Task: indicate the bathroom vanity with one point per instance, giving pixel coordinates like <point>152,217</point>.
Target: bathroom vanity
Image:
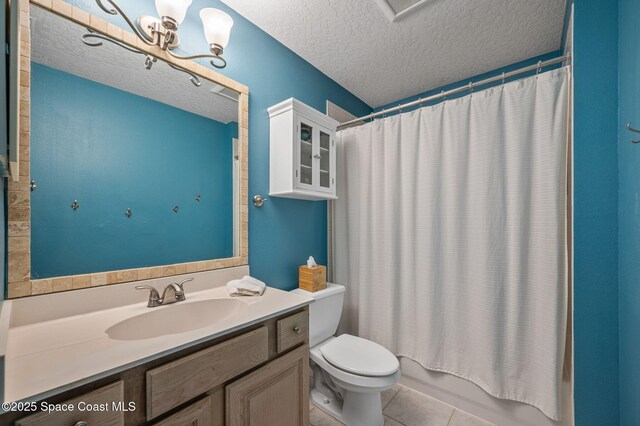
<point>248,365</point>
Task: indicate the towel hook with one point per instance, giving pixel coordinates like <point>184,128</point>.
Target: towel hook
<point>259,200</point>
<point>631,129</point>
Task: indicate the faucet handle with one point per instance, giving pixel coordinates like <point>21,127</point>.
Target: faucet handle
<point>154,296</point>
<point>180,294</point>
<point>181,283</point>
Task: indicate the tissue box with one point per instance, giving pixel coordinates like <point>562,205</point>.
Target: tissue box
<point>312,279</point>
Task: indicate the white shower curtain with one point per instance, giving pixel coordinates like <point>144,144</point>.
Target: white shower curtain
<point>450,236</point>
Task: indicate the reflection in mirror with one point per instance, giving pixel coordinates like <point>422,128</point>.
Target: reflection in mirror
<point>146,152</point>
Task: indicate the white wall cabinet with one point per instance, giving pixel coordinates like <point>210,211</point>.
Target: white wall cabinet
<point>302,152</point>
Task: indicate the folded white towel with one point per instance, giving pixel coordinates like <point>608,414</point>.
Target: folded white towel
<point>247,286</point>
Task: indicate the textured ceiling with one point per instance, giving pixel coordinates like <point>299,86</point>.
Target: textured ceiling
<point>400,5</point>
<point>442,42</point>
<point>57,43</point>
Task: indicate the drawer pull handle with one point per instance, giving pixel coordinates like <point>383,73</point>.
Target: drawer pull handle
<point>81,423</point>
<point>296,329</point>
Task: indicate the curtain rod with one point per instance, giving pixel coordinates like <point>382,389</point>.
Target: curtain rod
<point>503,76</point>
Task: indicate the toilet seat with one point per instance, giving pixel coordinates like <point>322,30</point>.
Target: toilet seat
<point>359,356</point>
<point>354,382</point>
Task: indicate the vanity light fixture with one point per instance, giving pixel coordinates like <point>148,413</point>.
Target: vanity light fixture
<point>163,31</point>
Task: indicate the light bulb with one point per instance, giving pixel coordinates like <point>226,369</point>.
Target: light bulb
<point>174,9</point>
<point>217,26</point>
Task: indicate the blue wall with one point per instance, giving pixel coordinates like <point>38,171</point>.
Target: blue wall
<point>284,232</point>
<point>629,212</point>
<point>596,212</point>
<point>112,150</point>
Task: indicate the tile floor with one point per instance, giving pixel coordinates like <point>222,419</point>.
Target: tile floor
<point>403,406</point>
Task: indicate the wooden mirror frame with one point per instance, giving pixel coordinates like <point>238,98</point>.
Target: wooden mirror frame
<point>19,279</point>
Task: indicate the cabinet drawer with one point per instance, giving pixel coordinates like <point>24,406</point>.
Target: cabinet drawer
<point>184,379</point>
<point>104,396</point>
<point>197,414</point>
<point>293,330</point>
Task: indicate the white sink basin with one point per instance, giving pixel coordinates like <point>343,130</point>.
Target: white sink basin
<point>176,318</point>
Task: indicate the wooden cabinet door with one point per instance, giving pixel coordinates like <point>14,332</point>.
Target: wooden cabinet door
<point>276,394</point>
<point>196,414</point>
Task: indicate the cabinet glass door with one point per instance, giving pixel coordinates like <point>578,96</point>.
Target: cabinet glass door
<point>325,160</point>
<point>305,141</point>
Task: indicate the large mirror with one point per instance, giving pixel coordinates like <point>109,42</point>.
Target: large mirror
<point>134,162</point>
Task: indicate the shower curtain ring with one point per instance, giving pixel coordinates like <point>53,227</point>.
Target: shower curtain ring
<point>503,74</point>
<point>539,68</point>
<point>470,87</point>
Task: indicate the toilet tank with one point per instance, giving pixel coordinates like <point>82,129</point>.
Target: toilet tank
<point>324,312</point>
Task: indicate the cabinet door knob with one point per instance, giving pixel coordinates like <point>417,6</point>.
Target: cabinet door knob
<point>81,423</point>
<point>296,329</point>
<point>317,156</point>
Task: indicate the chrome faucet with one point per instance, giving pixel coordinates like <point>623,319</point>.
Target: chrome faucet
<point>172,293</point>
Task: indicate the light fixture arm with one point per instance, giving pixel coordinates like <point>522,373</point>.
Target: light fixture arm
<point>192,77</point>
<point>213,56</point>
<point>87,39</point>
<point>150,60</point>
<point>117,11</point>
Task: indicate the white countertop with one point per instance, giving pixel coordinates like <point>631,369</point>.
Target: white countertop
<point>46,357</point>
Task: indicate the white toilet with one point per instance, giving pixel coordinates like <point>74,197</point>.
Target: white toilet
<point>348,372</point>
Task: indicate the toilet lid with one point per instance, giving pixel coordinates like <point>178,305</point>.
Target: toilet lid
<point>360,356</point>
